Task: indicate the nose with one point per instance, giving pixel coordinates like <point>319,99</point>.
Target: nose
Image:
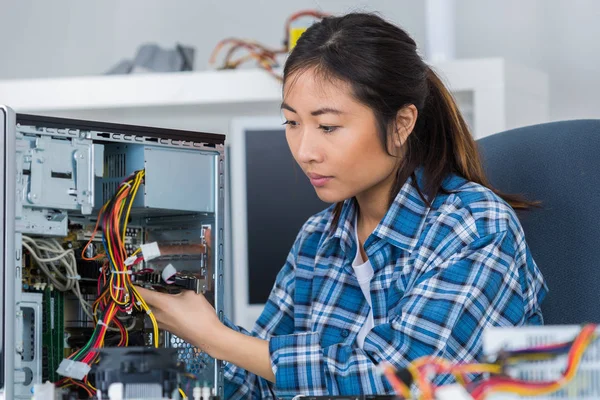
<point>309,148</point>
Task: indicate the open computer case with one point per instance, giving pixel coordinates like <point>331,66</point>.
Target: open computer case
<point>58,175</point>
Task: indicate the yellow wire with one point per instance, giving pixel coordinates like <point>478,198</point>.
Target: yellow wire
<point>530,391</point>
<point>182,393</point>
<point>116,281</point>
<point>136,186</point>
<point>480,368</point>
<point>120,280</point>
<point>150,314</point>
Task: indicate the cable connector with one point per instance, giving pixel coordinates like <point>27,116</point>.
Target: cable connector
<point>130,260</point>
<point>73,369</point>
<point>150,251</point>
<point>168,272</point>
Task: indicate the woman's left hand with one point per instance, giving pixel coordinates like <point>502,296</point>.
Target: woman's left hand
<point>187,315</point>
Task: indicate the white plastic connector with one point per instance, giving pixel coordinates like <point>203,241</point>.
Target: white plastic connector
<point>205,393</point>
<point>116,391</point>
<point>73,369</point>
<point>452,392</point>
<point>44,391</point>
<point>168,272</point>
<point>130,260</point>
<point>197,393</point>
<point>150,251</point>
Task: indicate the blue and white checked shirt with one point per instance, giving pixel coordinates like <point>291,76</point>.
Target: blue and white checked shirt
<point>441,275</point>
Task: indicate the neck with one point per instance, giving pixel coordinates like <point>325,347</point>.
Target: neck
<point>373,205</point>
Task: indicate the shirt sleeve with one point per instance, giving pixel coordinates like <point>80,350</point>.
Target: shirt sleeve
<point>277,318</point>
<point>443,313</point>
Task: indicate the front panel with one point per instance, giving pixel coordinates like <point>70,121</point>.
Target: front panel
<point>7,250</point>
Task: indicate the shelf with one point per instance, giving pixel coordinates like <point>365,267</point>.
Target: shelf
<point>140,90</point>
<point>499,95</point>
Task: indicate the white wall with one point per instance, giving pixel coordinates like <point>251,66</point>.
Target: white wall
<point>74,37</point>
<point>560,37</point>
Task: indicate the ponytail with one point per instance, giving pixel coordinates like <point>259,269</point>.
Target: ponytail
<point>455,149</point>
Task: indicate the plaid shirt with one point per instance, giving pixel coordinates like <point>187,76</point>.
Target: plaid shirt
<point>442,274</point>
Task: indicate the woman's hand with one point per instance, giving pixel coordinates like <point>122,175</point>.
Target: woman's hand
<point>191,317</point>
<point>187,315</point>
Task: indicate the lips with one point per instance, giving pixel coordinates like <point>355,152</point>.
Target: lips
<point>316,176</point>
<point>318,180</point>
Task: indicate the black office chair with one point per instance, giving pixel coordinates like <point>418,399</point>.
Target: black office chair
<point>559,164</point>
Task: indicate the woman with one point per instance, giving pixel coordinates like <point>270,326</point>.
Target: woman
<point>416,256</point>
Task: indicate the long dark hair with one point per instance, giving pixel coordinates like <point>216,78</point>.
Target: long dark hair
<point>381,63</point>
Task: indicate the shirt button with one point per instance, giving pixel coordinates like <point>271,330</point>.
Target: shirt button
<point>345,333</point>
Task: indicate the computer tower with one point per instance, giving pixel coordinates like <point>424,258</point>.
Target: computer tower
<point>57,175</point>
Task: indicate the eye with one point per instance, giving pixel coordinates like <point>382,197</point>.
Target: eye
<point>328,128</point>
<point>292,124</point>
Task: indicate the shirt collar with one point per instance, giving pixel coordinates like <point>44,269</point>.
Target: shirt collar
<point>402,224</point>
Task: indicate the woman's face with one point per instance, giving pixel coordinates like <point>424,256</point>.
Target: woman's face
<point>334,138</point>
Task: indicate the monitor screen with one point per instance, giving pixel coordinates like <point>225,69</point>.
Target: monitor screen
<point>271,198</point>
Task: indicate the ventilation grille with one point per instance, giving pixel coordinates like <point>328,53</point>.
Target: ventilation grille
<point>115,165</point>
<point>143,391</point>
<point>195,360</point>
<point>108,190</point>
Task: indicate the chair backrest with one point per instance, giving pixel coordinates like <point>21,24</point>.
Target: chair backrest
<point>558,164</point>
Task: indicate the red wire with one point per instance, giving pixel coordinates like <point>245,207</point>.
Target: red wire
<point>480,391</point>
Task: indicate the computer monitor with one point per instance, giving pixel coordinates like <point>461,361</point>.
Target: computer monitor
<point>270,198</point>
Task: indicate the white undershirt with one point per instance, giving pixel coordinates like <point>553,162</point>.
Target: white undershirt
<point>364,273</point>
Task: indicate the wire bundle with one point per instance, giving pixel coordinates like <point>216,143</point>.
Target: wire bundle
<point>421,370</point>
<point>117,296</point>
<point>575,350</point>
<point>50,256</point>
<point>265,57</point>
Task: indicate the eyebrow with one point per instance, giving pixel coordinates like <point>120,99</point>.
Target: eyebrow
<point>320,111</point>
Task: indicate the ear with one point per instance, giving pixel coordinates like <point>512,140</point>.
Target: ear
<point>405,123</point>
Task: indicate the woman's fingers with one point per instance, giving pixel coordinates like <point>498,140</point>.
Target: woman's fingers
<point>152,297</point>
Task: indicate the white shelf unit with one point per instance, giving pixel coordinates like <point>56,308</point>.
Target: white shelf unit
<point>494,95</point>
